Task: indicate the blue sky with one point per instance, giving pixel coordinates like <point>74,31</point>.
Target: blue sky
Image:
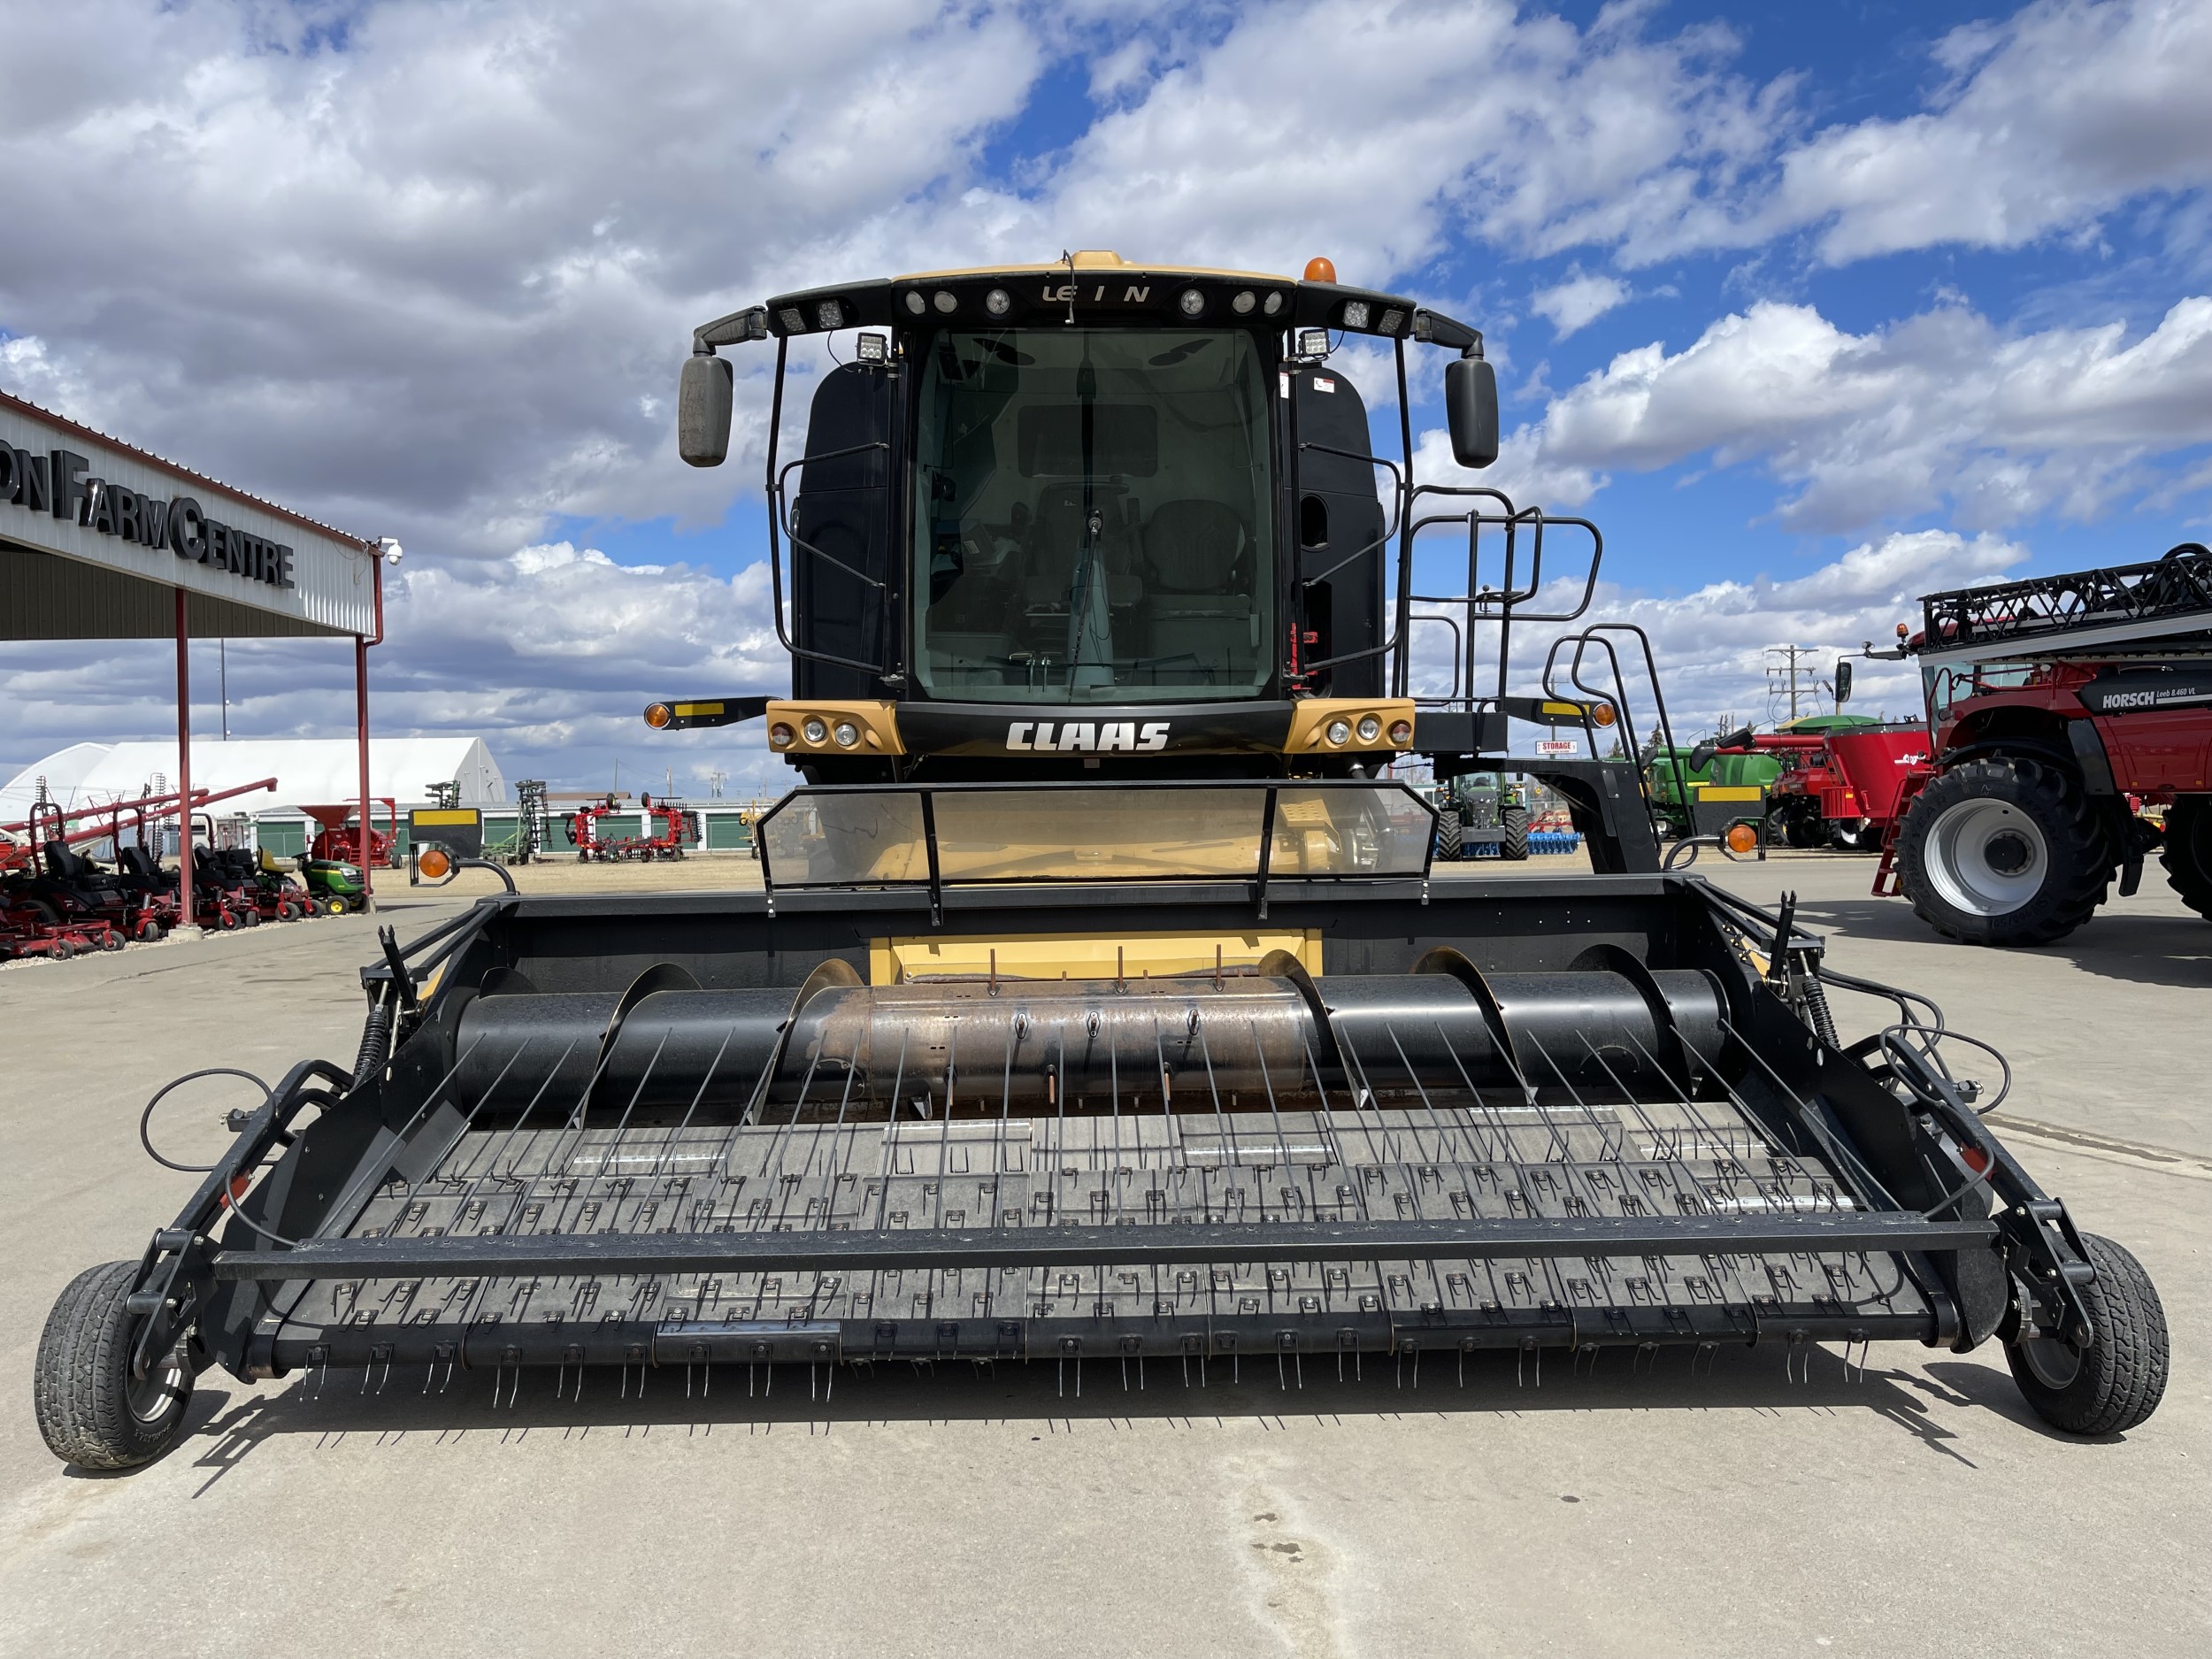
<point>1811,307</point>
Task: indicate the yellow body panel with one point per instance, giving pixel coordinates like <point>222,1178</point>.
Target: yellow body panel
<point>1086,955</point>
<point>1728,792</point>
<point>1310,719</point>
<point>444,815</point>
<point>878,724</point>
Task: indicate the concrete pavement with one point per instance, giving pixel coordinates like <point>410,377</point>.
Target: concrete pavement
<point>1917,1508</point>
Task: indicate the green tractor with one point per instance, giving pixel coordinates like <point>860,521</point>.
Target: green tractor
<point>1670,780</point>
<point>1481,809</point>
<point>334,885</point>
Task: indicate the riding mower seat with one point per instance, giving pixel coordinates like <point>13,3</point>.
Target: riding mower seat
<point>137,872</point>
<point>69,868</point>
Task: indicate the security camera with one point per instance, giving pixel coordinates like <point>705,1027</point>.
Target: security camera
<point>389,548</point>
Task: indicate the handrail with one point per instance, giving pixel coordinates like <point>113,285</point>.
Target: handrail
<point>777,486</point>
<point>1521,578</point>
<point>1394,522</point>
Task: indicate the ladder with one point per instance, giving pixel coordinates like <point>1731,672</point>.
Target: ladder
<point>1886,883</point>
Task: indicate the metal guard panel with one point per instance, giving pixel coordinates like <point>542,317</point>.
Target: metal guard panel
<point>501,1255</point>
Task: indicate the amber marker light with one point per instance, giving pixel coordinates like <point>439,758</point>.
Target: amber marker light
<point>658,715</point>
<point>1743,838</point>
<point>435,863</point>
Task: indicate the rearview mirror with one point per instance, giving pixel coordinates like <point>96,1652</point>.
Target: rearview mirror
<point>1843,681</point>
<point>1470,400</point>
<point>702,411</point>
<point>1701,757</point>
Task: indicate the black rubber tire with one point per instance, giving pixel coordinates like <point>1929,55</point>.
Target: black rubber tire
<point>251,916</point>
<point>333,907</point>
<point>63,950</point>
<point>2119,1382</point>
<point>225,921</point>
<point>1449,848</point>
<point>83,1389</point>
<point>2078,856</point>
<point>1514,821</point>
<point>2188,855</point>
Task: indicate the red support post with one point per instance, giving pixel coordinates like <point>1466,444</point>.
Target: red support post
<point>361,705</point>
<point>361,711</point>
<point>184,767</point>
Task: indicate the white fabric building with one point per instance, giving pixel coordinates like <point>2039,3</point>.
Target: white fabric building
<point>309,771</point>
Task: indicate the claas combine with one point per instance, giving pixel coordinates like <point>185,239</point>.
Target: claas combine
<point>1096,1009</point>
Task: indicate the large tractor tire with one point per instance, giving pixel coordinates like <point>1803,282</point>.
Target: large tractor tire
<point>1448,847</point>
<point>2004,851</point>
<point>2118,1381</point>
<point>1514,821</point>
<point>2188,856</point>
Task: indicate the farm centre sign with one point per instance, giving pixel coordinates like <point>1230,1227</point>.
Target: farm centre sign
<point>59,483</point>
<point>97,538</point>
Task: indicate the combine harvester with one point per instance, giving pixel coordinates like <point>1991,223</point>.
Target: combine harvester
<point>1099,1010</point>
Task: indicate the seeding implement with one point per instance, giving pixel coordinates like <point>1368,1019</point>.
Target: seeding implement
<point>1196,1074</point>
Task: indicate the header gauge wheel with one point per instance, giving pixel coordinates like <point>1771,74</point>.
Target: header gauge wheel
<point>2118,1381</point>
<point>2003,851</point>
<point>92,1411</point>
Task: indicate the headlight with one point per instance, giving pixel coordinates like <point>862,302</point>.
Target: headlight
<point>1402,732</point>
<point>998,301</point>
<point>1339,732</point>
<point>847,734</point>
<point>1192,302</point>
<point>780,735</point>
<point>1370,728</point>
<point>814,730</point>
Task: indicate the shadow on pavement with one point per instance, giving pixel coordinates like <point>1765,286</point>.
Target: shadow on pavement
<point>2174,950</point>
<point>347,1408</point>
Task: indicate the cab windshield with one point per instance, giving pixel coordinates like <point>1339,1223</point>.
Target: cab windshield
<point>1093,518</point>
<point>1948,687</point>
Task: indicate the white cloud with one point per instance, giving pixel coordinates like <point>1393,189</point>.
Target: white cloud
<point>550,656</point>
<point>437,284</point>
<point>1580,300</point>
<point>1939,411</point>
<point>2052,119</point>
<point>1428,120</point>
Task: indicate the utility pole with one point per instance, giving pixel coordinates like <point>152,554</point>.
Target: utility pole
<point>1788,668</point>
